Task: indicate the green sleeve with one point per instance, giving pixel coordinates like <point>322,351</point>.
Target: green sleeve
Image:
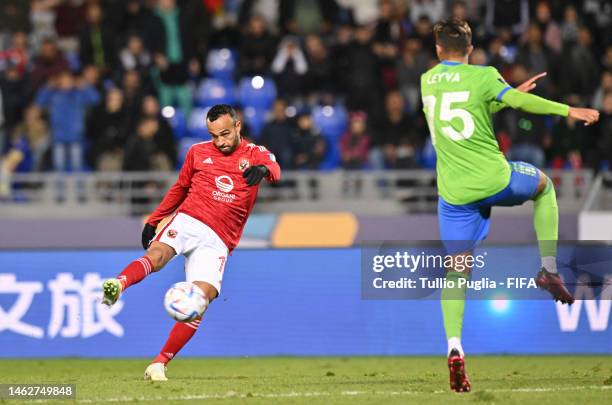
<point>492,84</point>
<point>497,106</point>
<point>533,104</point>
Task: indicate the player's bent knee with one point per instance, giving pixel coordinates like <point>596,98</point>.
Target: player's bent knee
<point>160,254</point>
<point>542,183</point>
<point>208,289</point>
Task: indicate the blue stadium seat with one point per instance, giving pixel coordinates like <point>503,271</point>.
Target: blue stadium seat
<point>256,119</point>
<point>74,62</point>
<point>330,120</point>
<point>183,147</point>
<point>215,91</point>
<point>428,155</point>
<point>221,63</point>
<point>332,156</point>
<point>177,120</point>
<point>257,92</point>
<point>196,125</point>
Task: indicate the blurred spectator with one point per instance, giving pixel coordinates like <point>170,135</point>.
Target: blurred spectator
<point>69,22</point>
<point>607,59</point>
<point>67,99</point>
<point>147,150</point>
<point>17,53</point>
<point>135,57</point>
<point>320,75</point>
<point>49,62</point>
<point>133,93</point>
<point>423,30</point>
<point>164,137</point>
<point>13,90</point>
<point>289,67</point>
<point>14,17</point>
<point>363,74</point>
<point>267,10</point>
<point>34,131</point>
<point>277,134</point>
<point>387,133</point>
<point>527,132</point>
<point>570,137</point>
<point>308,145</point>
<point>355,143</point>
<point>138,20</point>
<point>580,65</point>
<point>414,61</point>
<point>96,41</point>
<point>173,55</point>
<point>432,9</point>
<point>27,150</point>
<point>341,60</point>
<point>509,14</point>
<point>536,58</point>
<point>303,16</point>
<point>107,129</point>
<point>550,29</point>
<point>42,20</point>
<point>478,57</point>
<point>605,132</point>
<point>604,88</point>
<point>257,48</point>
<point>358,12</point>
<point>386,37</point>
<point>570,26</point>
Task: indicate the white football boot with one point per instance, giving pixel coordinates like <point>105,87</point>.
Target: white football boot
<point>156,372</point>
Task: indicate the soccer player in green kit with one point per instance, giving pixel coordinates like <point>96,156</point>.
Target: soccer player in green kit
<point>473,175</point>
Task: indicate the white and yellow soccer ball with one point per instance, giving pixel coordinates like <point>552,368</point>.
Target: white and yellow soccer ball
<point>185,301</point>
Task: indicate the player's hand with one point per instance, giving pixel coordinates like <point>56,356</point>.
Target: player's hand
<point>255,174</point>
<point>148,233</point>
<point>530,84</point>
<point>588,115</point>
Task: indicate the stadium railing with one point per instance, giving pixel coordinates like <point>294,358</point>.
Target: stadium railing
<point>116,194</point>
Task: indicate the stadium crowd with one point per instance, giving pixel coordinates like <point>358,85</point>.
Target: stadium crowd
<point>110,85</point>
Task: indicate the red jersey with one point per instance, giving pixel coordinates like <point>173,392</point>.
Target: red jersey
<point>210,188</point>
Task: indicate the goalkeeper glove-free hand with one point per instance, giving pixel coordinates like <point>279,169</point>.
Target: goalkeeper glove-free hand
<point>255,174</point>
<point>148,233</point>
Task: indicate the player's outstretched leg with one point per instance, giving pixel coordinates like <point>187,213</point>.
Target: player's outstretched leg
<point>156,258</point>
<point>546,224</point>
<point>180,334</point>
<point>453,306</point>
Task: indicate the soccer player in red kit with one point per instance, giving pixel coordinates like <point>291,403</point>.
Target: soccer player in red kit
<point>204,214</point>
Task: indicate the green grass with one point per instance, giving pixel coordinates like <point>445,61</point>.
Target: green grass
<point>355,380</point>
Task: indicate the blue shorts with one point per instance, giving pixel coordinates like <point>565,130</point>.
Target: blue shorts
<point>468,224</point>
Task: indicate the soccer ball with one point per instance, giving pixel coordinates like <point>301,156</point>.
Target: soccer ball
<point>185,301</point>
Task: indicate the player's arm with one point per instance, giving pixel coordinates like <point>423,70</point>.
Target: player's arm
<point>525,87</point>
<point>499,91</point>
<point>171,201</point>
<point>265,167</point>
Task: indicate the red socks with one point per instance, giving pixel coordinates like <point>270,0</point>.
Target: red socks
<point>179,336</point>
<point>135,272</point>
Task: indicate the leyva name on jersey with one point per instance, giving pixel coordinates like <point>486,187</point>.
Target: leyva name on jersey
<point>212,189</point>
<point>450,77</point>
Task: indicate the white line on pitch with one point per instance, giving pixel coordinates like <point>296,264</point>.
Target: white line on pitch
<point>232,394</point>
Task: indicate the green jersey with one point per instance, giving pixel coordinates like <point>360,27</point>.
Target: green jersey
<point>458,101</point>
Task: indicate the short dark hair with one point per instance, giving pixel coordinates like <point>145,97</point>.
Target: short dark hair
<point>221,109</point>
<point>453,35</point>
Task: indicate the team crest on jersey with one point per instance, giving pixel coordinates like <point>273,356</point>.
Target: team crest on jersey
<point>243,163</point>
<point>172,233</point>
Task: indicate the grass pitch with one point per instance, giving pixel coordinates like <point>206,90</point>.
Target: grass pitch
<point>355,380</point>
